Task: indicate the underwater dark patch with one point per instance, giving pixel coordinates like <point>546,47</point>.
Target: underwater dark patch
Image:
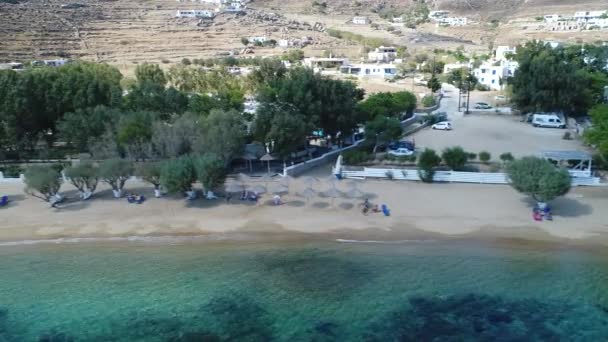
<point>314,272</point>
<point>474,317</point>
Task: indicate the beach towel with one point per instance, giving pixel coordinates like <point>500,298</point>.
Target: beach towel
<point>3,201</point>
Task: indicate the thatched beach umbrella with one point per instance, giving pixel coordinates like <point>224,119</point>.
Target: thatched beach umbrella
<point>267,158</point>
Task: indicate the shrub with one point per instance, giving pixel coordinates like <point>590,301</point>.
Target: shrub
<point>84,176</point>
<point>454,157</point>
<point>485,156</point>
<point>186,61</point>
<point>115,172</point>
<point>11,171</point>
<point>177,175</point>
<point>150,173</point>
<point>427,161</point>
<point>482,87</point>
<point>471,156</point>
<point>506,157</point>
<point>355,157</point>
<point>210,171</point>
<point>165,61</point>
<point>429,101</point>
<point>567,136</point>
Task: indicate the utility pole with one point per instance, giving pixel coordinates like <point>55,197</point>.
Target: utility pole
<point>468,88</point>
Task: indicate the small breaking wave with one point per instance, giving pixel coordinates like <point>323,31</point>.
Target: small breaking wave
<point>166,240</point>
<point>385,241</point>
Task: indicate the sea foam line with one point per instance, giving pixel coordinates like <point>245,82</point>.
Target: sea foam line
<point>153,239</point>
<point>384,242</point>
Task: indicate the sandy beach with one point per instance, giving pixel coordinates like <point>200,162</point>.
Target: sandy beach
<point>417,210</point>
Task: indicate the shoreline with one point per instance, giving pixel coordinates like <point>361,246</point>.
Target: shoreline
<point>418,211</point>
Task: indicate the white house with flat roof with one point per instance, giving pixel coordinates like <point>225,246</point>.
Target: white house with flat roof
<point>370,70</point>
<point>194,14</point>
<point>493,74</point>
<point>585,16</point>
<point>447,68</point>
<point>383,54</point>
<point>360,21</point>
<point>452,21</point>
<point>436,15</point>
<point>551,18</point>
<point>313,62</point>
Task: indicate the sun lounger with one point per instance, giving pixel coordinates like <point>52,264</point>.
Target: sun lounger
<point>3,201</point>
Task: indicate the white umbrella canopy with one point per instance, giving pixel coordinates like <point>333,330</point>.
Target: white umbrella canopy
<point>308,193</point>
<point>234,187</point>
<point>279,188</point>
<point>258,189</point>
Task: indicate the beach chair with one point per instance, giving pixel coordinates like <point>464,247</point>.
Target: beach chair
<point>141,199</point>
<point>3,201</point>
<point>385,210</point>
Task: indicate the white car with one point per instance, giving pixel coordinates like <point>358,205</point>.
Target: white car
<point>401,152</point>
<point>444,125</point>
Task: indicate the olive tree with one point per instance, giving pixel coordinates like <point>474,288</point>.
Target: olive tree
<point>538,178</point>
<point>427,161</point>
<point>43,182</point>
<point>115,172</point>
<point>84,176</point>
<point>210,171</point>
<point>178,175</point>
<point>150,172</point>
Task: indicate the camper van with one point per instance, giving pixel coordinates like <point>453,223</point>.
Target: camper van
<point>547,120</point>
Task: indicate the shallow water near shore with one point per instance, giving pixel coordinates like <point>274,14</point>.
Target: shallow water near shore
<point>302,291</point>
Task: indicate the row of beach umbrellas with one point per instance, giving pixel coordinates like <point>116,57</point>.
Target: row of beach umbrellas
<point>267,184</point>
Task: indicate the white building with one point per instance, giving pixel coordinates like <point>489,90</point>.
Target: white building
<point>370,70</point>
<point>452,21</point>
<point>552,18</point>
<point>55,62</point>
<point>447,68</point>
<point>194,14</point>
<point>383,54</point>
<point>503,51</point>
<point>493,74</point>
<point>313,62</point>
<point>232,7</point>
<point>360,21</point>
<point>585,16</point>
<point>260,39</point>
<point>12,66</point>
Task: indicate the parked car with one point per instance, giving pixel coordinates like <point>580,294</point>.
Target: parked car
<point>482,105</point>
<point>402,144</point>
<point>547,120</point>
<point>401,152</point>
<point>500,98</point>
<point>444,125</point>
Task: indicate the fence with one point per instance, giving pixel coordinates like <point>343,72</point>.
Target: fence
<point>10,179</point>
<point>300,168</point>
<point>445,176</point>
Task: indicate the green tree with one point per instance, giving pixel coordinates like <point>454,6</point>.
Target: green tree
<point>134,133</point>
<point>427,162</point>
<point>210,171</point>
<point>244,41</point>
<point>434,84</point>
<point>223,135</point>
<point>83,125</point>
<point>176,138</point>
<point>597,135</point>
<point>462,79</point>
<point>398,105</point>
<point>550,80</point>
<point>84,176</point>
<point>150,73</point>
<point>288,133</point>
<point>538,178</point>
<point>116,172</point>
<point>42,182</point>
<point>269,73</point>
<point>178,175</point>
<point>455,157</point>
<point>382,130</point>
<point>150,172</point>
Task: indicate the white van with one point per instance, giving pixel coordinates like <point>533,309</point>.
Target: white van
<point>547,120</point>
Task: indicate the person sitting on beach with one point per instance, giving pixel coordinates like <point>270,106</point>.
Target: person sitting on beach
<point>366,203</point>
<point>277,200</point>
<point>375,208</point>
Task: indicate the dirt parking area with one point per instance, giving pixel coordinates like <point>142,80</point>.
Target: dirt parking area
<point>496,134</point>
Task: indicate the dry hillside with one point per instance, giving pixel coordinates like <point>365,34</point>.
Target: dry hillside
<point>125,32</point>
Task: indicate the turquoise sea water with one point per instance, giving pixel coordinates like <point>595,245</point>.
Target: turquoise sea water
<point>304,291</point>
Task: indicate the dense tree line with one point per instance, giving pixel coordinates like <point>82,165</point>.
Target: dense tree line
<point>567,79</point>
